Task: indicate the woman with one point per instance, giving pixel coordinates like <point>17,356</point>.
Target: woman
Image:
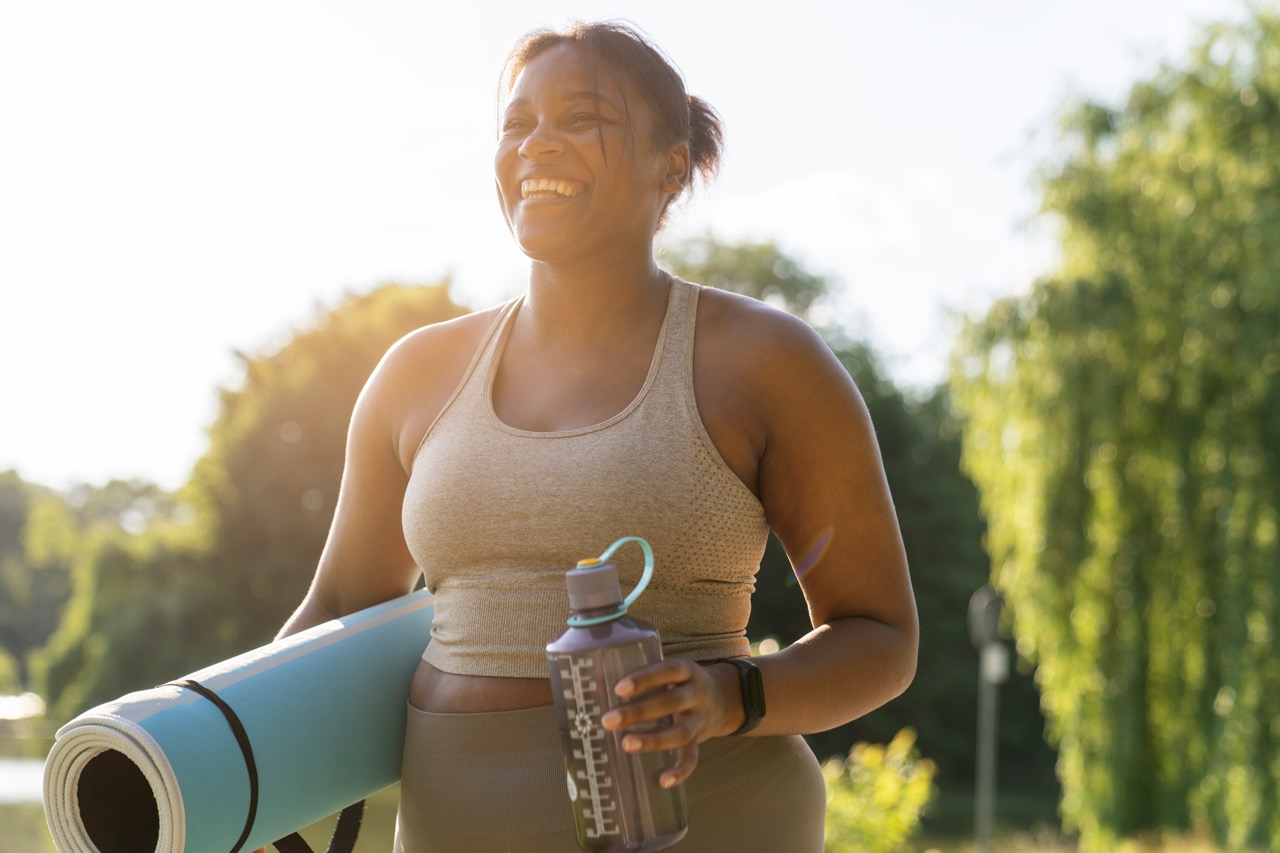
<point>493,451</point>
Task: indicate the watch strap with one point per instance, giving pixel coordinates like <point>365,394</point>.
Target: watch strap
<point>752,694</point>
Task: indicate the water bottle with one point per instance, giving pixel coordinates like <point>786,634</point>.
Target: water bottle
<point>618,803</point>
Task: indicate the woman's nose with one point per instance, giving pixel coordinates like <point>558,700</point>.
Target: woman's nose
<point>541,140</point>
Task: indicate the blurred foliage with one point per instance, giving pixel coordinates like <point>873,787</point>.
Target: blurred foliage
<point>41,533</point>
<point>760,270</point>
<point>876,797</point>
<point>131,601</point>
<point>1121,422</point>
<point>135,617</point>
<point>35,574</point>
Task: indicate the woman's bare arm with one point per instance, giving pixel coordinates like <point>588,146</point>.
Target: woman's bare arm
<point>365,559</point>
<point>790,422</point>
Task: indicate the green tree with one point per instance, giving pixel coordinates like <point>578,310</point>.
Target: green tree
<point>133,620</point>
<point>16,496</point>
<point>759,270</point>
<point>101,562</point>
<point>1121,424</point>
<point>128,504</point>
<point>35,574</point>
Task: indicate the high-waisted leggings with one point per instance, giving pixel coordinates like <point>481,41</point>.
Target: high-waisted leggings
<point>495,783</point>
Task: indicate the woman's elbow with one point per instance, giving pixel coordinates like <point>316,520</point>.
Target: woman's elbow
<point>907,658</point>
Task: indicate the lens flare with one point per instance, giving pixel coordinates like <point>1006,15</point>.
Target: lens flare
<point>812,556</point>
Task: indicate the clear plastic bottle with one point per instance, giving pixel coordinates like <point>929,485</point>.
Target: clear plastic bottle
<point>618,803</point>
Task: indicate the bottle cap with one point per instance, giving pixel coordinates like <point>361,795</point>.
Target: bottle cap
<point>593,585</point>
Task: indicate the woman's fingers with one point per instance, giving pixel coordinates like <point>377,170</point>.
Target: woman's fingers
<point>656,675</point>
<point>686,760</point>
<point>651,706</point>
<point>679,691</point>
<point>683,730</point>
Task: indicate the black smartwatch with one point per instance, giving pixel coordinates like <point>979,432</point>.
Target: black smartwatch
<point>752,692</point>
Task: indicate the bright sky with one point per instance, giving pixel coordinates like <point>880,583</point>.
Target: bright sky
<point>181,180</point>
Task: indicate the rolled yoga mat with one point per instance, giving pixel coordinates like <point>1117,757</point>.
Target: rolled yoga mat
<point>162,770</point>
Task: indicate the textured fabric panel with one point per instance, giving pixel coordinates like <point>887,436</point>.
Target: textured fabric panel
<point>495,515</point>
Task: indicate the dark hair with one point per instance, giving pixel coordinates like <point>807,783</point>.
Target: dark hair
<point>637,64</point>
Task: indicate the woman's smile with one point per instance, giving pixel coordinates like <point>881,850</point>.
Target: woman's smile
<point>549,188</point>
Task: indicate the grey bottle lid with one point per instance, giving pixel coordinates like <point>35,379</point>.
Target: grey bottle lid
<point>593,585</point>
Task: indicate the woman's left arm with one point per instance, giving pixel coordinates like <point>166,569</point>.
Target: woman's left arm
<point>802,434</point>
<point>823,487</point>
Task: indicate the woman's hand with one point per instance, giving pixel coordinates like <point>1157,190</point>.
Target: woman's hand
<point>701,702</point>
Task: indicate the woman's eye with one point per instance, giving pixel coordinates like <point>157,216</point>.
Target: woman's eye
<point>514,125</point>
<point>584,119</point>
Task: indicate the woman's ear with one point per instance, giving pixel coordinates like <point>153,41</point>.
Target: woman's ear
<point>677,177</point>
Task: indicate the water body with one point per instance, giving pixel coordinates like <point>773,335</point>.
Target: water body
<point>21,780</point>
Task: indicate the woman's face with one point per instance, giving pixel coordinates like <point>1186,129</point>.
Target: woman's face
<point>576,168</point>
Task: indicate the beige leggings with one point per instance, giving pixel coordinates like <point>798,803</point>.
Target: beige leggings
<point>495,783</point>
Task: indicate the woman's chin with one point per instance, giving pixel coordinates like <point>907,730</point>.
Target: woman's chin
<point>548,249</point>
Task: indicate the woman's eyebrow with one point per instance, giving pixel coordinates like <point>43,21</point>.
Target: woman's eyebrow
<point>583,95</point>
<point>588,95</point>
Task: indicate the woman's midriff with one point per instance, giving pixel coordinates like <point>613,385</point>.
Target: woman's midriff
<point>438,692</point>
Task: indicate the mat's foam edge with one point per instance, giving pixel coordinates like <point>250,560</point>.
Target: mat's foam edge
<point>92,735</point>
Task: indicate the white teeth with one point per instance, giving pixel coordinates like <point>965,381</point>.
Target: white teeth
<point>547,188</point>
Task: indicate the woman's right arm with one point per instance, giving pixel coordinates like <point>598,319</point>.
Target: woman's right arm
<point>365,559</point>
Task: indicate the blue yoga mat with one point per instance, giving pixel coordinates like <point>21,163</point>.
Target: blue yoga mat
<point>324,711</point>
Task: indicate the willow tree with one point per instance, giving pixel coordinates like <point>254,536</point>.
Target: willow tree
<point>1123,427</point>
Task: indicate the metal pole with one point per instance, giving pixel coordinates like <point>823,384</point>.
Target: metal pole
<point>993,669</point>
<point>985,799</point>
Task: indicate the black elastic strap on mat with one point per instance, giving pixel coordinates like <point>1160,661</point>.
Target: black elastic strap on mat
<point>242,738</point>
<point>344,834</point>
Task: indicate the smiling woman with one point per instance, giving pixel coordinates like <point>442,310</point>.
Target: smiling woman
<point>489,453</point>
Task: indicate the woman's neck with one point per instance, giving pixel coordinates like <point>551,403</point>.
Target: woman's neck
<point>583,303</point>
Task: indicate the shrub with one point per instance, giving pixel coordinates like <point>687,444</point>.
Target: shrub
<point>876,797</point>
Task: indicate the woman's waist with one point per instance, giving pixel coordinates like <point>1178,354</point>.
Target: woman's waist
<point>436,691</point>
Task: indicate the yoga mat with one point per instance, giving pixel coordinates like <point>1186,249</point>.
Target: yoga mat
<point>161,769</point>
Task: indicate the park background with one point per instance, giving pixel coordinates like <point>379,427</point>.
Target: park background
<point>215,222</point>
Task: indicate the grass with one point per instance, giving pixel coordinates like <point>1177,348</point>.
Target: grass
<point>1026,821</point>
<point>25,831</point>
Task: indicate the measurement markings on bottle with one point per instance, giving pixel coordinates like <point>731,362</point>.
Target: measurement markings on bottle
<point>589,745</point>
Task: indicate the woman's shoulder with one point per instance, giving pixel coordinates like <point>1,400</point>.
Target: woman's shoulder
<point>416,377</point>
<point>443,342</point>
<point>438,351</point>
<point>751,335</point>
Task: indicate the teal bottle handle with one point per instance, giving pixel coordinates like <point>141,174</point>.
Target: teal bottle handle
<point>645,577</point>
